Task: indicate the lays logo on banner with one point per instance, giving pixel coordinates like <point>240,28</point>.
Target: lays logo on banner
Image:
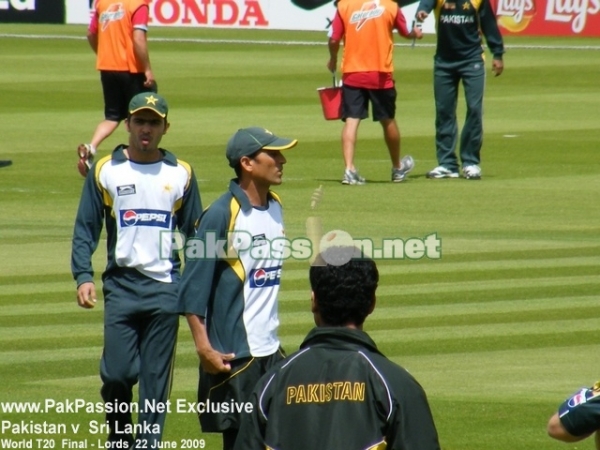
<point>515,15</point>
<point>550,18</point>
<point>574,12</point>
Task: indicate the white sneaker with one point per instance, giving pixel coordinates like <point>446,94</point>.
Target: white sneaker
<point>472,172</point>
<point>406,165</point>
<point>441,172</point>
<point>352,178</point>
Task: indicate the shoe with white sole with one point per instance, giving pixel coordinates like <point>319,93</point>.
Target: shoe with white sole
<point>351,177</point>
<point>472,172</point>
<point>441,172</point>
<point>406,165</point>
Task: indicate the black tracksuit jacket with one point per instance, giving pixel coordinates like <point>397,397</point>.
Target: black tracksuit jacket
<point>338,392</point>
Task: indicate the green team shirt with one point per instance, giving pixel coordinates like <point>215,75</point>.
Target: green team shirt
<point>237,295</point>
<point>459,26</point>
<point>580,413</point>
<point>140,205</point>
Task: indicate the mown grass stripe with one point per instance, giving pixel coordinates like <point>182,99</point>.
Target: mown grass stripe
<point>382,291</point>
<point>466,286</point>
<point>497,330</point>
<point>381,336</point>
<point>74,330</point>
<point>471,371</point>
<point>460,309</point>
<point>479,266</point>
<point>385,268</point>
<point>491,344</point>
<point>93,337</point>
<point>45,283</point>
<point>39,289</point>
<point>42,308</point>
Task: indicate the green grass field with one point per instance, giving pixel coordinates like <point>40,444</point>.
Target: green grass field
<point>498,331</point>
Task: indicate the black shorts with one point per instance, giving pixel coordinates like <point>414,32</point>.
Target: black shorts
<point>355,103</point>
<point>235,386</point>
<point>118,89</point>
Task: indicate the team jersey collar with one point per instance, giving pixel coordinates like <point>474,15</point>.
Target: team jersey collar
<point>339,337</point>
<point>118,155</point>
<point>242,198</point>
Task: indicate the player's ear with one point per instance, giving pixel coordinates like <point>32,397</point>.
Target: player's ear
<point>246,163</point>
<point>314,307</point>
<point>127,124</point>
<point>313,303</point>
<point>167,125</point>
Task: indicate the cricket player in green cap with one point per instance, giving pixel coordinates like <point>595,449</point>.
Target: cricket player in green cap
<point>141,194</point>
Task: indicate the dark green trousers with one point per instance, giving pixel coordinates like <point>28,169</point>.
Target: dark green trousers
<point>140,333</point>
<point>447,76</point>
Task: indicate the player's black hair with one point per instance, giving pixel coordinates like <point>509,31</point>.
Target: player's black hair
<point>344,293</point>
<point>238,170</point>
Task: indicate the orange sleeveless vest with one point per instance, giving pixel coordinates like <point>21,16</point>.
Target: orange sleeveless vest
<point>115,35</point>
<point>368,38</point>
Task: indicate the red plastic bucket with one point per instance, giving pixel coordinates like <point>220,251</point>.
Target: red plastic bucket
<point>331,102</point>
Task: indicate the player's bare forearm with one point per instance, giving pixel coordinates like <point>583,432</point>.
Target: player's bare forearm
<point>556,430</point>
<point>211,360</point>
<point>334,48</point>
<point>140,48</point>
<point>93,41</point>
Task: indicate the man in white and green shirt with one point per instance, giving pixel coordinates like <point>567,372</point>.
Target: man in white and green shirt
<point>140,194</point>
<point>230,301</point>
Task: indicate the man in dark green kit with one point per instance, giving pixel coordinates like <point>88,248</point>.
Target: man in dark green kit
<point>578,417</point>
<point>460,56</point>
<point>141,193</point>
<point>339,392</point>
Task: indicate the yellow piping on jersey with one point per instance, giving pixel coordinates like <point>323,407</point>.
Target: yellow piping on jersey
<point>275,197</point>
<point>188,169</point>
<point>235,263</point>
<point>106,198</point>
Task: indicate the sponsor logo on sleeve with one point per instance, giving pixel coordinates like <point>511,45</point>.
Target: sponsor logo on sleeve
<point>128,189</point>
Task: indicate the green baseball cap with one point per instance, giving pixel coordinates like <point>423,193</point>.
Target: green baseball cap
<point>247,141</point>
<point>151,101</point>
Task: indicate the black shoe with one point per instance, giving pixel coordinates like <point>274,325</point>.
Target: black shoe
<point>5,162</point>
